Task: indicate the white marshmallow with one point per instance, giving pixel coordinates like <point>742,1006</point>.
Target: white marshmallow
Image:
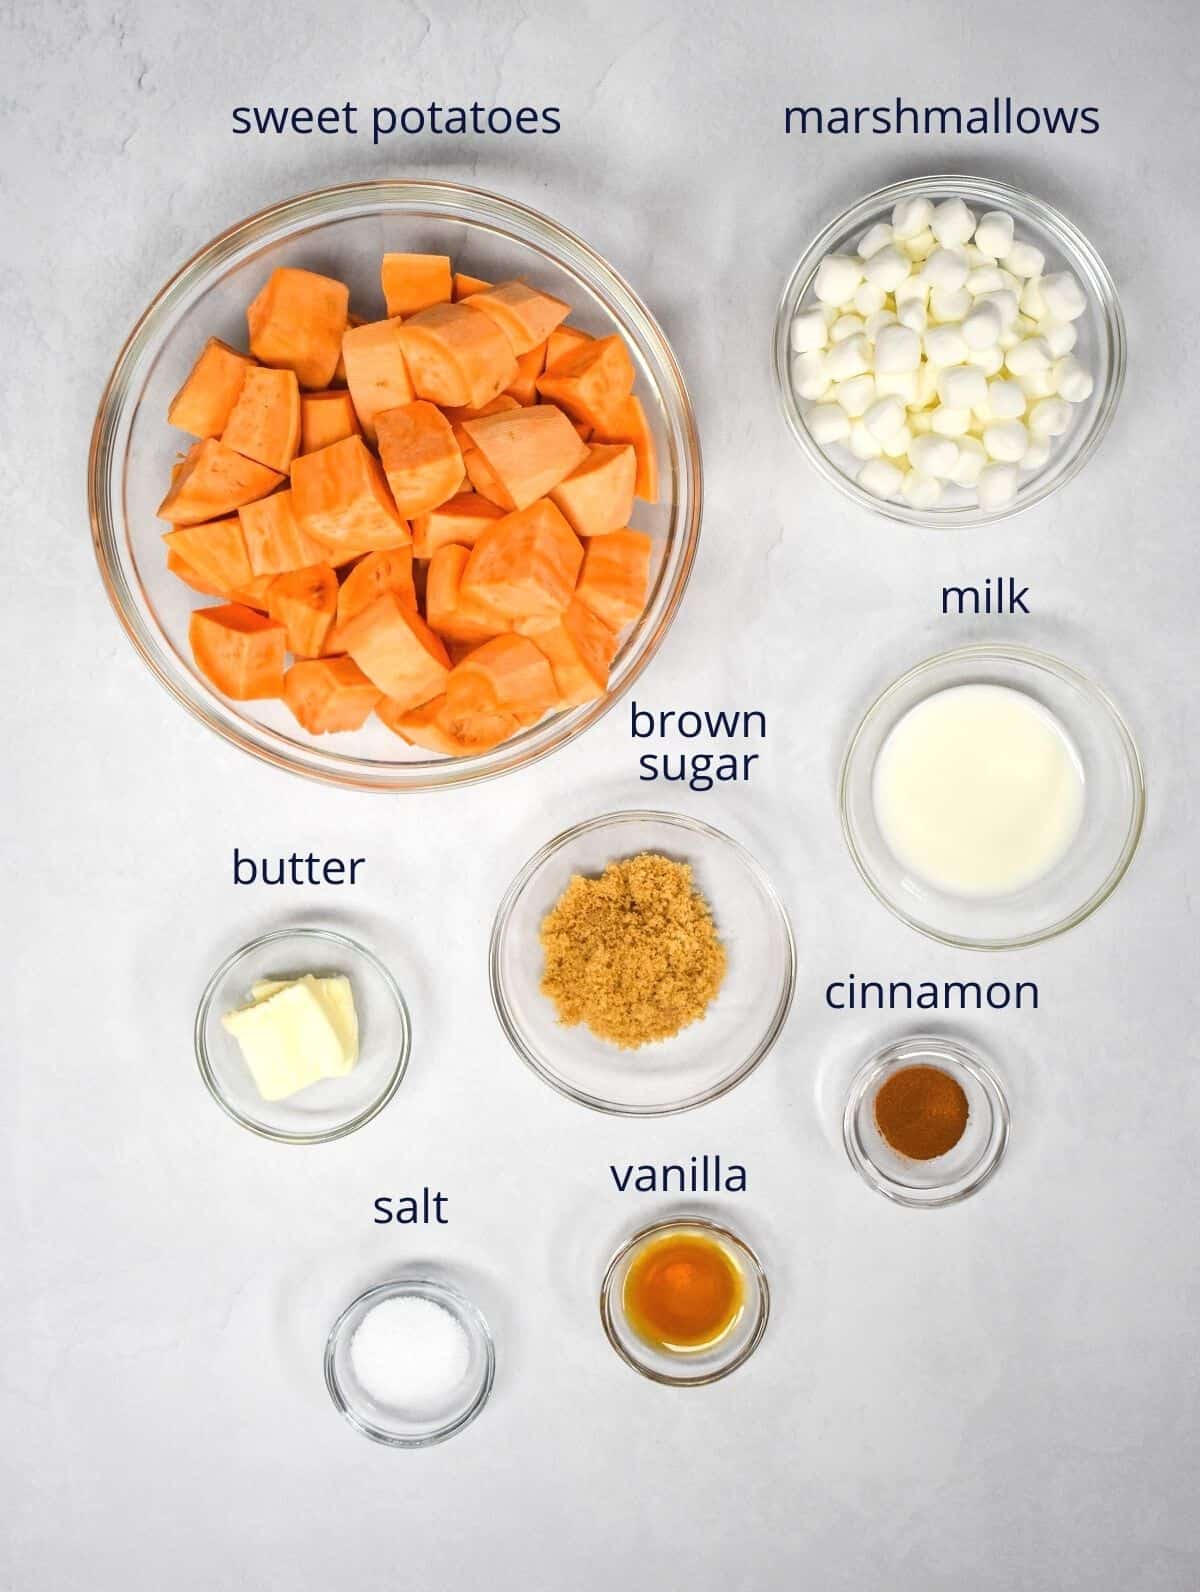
<point>849,358</point>
<point>809,330</point>
<point>1024,327</point>
<point>952,223</point>
<point>900,384</point>
<point>910,216</point>
<point>984,279</point>
<point>989,360</point>
<point>946,268</point>
<point>1050,417</point>
<point>1037,454</point>
<point>1039,383</point>
<point>1023,260</point>
<point>920,247</point>
<point>947,422</point>
<point>1060,336</point>
<point>913,314</point>
<point>880,478</point>
<point>994,234</point>
<point>897,348</point>
<point>921,491</point>
<point>863,444</point>
<point>837,277</point>
<point>868,298</point>
<point>873,239</point>
<point>875,323</point>
<point>945,345</point>
<point>962,386</point>
<point>845,326</point>
<point>1063,297</point>
<point>949,304</point>
<point>1005,400</point>
<point>1075,381</point>
<point>982,326</point>
<point>856,395</point>
<point>933,456</point>
<point>1005,302</point>
<point>1031,301</point>
<point>827,423</point>
<point>885,417</point>
<point>810,374</point>
<point>919,422</point>
<point>976,256</point>
<point>971,459</point>
<point>913,290</point>
<point>888,268</point>
<point>927,391</point>
<point>1006,440</point>
<point>1031,354</point>
<point>896,446</point>
<point>997,486</point>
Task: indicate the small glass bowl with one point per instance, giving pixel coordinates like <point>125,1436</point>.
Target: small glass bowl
<point>945,1179</point>
<point>1114,803</point>
<point>693,1367</point>
<point>704,1060</point>
<point>1101,344</point>
<point>344,231</point>
<point>419,1426</point>
<point>332,1107</point>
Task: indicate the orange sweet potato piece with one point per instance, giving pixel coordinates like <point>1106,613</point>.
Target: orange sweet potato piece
<point>240,651</point>
<point>503,401</point>
<point>453,617</point>
<point>304,602</point>
<point>564,340</point>
<point>212,481</point>
<point>592,382</point>
<point>296,323</point>
<point>579,648</point>
<point>338,379</point>
<point>460,520</point>
<point>525,565</point>
<point>274,541</point>
<point>420,457</point>
<point>414,282</point>
<point>530,450</point>
<point>529,367</point>
<point>508,674</point>
<point>325,418</point>
<point>614,577</point>
<point>434,727</point>
<point>525,316</point>
<point>328,694</point>
<point>205,401</point>
<point>254,595</point>
<point>215,552</point>
<point>372,576</point>
<point>456,356</point>
<point>629,424</point>
<point>484,479</point>
<point>397,650</point>
<point>465,285</point>
<point>342,500</point>
<point>375,371</point>
<point>265,422</point>
<point>598,495</point>
<point>183,571</point>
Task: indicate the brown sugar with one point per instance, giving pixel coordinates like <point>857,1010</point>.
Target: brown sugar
<point>921,1112</point>
<point>633,954</point>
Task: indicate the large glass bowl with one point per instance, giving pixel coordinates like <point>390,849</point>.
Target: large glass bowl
<point>1101,344</point>
<point>344,232</point>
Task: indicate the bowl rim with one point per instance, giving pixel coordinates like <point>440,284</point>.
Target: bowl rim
<point>1081,253</point>
<point>1090,689</point>
<point>208,1074</point>
<point>512,1029</point>
<point>687,1219</point>
<point>409,1286</point>
<point>270,224</point>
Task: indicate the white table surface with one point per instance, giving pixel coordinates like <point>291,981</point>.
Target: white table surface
<point>1001,1395</point>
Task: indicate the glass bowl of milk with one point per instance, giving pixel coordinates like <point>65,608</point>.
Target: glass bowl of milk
<point>992,797</point>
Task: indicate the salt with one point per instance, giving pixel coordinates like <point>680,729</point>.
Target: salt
<point>410,1352</point>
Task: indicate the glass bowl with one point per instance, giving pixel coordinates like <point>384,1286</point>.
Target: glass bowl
<point>345,231</point>
<point>1101,345</point>
<point>944,1179</point>
<point>422,1424</point>
<point>702,1061</point>
<point>1094,863</point>
<point>687,1367</point>
<point>332,1107</point>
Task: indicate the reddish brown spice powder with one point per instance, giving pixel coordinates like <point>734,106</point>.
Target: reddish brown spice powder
<point>921,1112</point>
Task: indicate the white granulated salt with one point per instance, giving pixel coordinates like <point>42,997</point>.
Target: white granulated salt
<point>410,1353</point>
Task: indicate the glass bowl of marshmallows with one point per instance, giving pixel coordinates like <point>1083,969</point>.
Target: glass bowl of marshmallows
<point>949,351</point>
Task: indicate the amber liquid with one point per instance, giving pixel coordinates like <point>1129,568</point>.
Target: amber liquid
<point>683,1291</point>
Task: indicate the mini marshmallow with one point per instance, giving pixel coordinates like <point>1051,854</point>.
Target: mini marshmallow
<point>1031,301</point>
<point>1050,417</point>
<point>876,322</point>
<point>1039,383</point>
<point>952,223</point>
<point>933,456</point>
<point>976,256</point>
<point>900,384</point>
<point>994,234</point>
<point>1075,381</point>
<point>1005,301</point>
<point>972,457</point>
<point>849,358</point>
<point>1060,336</point>
<point>1006,441</point>
<point>920,247</point>
<point>873,239</point>
<point>913,290</point>
<point>1024,260</point>
<point>896,446</point>
<point>1031,354</point>
<point>827,423</point>
<point>913,314</point>
<point>837,277</point>
<point>911,216</point>
<point>984,279</point>
<point>920,491</point>
<point>947,304</point>
<point>864,444</point>
<point>927,388</point>
<point>868,298</point>
<point>885,417</point>
<point>919,422</point>
<point>845,326</point>
<point>1005,400</point>
<point>880,478</point>
<point>945,345</point>
<point>1063,297</point>
<point>946,268</point>
<point>947,422</point>
<point>809,331</point>
<point>997,486</point>
<point>1037,453</point>
<point>989,360</point>
<point>1024,327</point>
<point>962,386</point>
<point>888,268</point>
<point>897,348</point>
<point>981,326</point>
<point>856,395</point>
<point>810,374</point>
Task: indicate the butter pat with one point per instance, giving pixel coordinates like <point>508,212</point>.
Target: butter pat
<point>295,1032</point>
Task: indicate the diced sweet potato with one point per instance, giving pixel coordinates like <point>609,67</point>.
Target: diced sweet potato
<point>329,694</point>
<point>255,594</point>
<point>504,401</point>
<point>397,650</point>
<point>215,552</point>
<point>629,424</point>
<point>338,379</point>
<point>530,450</point>
<point>506,674</point>
<point>598,495</point>
<point>274,541</point>
<point>525,316</point>
<point>454,617</point>
<point>484,479</point>
<point>435,728</point>
<point>614,577</point>
<point>420,457</point>
<point>239,651</point>
<point>529,367</point>
<point>213,481</point>
<point>564,340</point>
<point>304,602</point>
<point>414,282</point>
<point>375,371</point>
<point>465,285</point>
<point>325,418</point>
<point>592,382</point>
<point>205,401</point>
<point>296,323</point>
<point>342,500</point>
<point>265,422</point>
<point>372,576</point>
<point>183,571</point>
<point>525,566</point>
<point>580,649</point>
<point>460,520</point>
<point>456,356</point>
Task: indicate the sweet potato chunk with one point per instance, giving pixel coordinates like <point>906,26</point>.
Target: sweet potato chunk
<point>614,577</point>
<point>414,282</point>
<point>465,285</point>
<point>530,450</point>
<point>326,418</point>
<point>508,674</point>
<point>296,323</point>
<point>274,541</point>
<point>598,495</point>
<point>328,694</point>
<point>502,402</point>
<point>239,651</point>
<point>629,424</point>
<point>484,480</point>
<point>460,520</point>
<point>579,648</point>
<point>212,481</point>
<point>183,571</point>
<point>342,500</point>
<point>396,649</point>
<point>448,612</point>
<point>372,576</point>
<point>205,401</point>
<point>375,371</point>
<point>562,341</point>
<point>456,356</point>
<point>592,382</point>
<point>420,457</point>
<point>529,368</point>
<point>304,602</point>
<point>525,316</point>
<point>265,422</point>
<point>434,727</point>
<point>215,552</point>
<point>525,565</point>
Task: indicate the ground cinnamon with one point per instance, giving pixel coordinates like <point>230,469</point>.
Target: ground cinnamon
<point>921,1112</point>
